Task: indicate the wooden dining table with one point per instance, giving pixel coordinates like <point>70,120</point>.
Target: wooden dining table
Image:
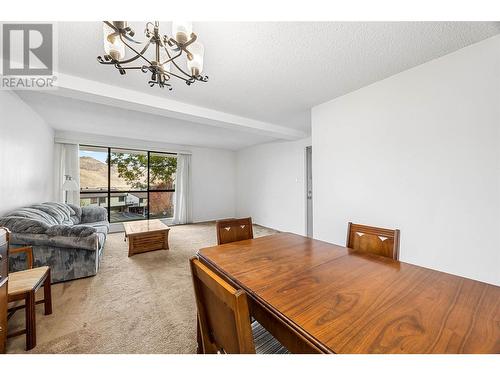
<point>316,297</point>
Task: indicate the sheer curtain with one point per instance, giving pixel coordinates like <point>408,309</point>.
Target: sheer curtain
<point>182,200</point>
<point>67,163</point>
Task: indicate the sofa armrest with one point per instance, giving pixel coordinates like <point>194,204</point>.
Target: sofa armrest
<point>17,224</point>
<point>92,214</point>
<point>90,243</point>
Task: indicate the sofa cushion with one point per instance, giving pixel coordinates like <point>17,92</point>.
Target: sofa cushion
<point>34,214</point>
<point>75,214</point>
<point>59,211</point>
<point>94,214</point>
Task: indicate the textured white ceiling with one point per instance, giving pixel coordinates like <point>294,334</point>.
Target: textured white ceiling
<point>275,72</point>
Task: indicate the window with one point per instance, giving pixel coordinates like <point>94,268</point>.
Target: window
<point>161,204</point>
<point>130,169</point>
<point>93,169</point>
<point>130,184</point>
<point>93,176</point>
<point>162,168</point>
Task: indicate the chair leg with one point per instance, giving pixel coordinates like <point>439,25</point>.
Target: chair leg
<point>47,295</point>
<point>30,321</point>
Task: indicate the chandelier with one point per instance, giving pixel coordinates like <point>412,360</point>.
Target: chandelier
<point>163,66</point>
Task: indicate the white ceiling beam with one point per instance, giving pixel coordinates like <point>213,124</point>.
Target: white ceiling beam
<point>98,92</point>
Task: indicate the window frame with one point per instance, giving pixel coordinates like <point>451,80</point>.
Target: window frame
<point>109,191</point>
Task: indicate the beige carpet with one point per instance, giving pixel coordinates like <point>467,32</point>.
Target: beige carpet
<point>142,304</point>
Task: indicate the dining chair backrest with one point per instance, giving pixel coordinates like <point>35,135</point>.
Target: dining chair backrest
<point>231,230</point>
<point>223,314</point>
<point>373,240</point>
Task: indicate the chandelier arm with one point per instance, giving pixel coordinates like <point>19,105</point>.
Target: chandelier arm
<point>180,77</point>
<point>190,41</point>
<point>147,26</point>
<point>201,78</point>
<point>110,24</point>
<point>182,71</point>
<point>168,53</point>
<point>139,54</point>
<point>130,67</point>
<point>170,58</point>
<point>183,46</point>
<point>112,62</point>
<point>177,66</point>
<point>130,39</point>
<point>102,61</point>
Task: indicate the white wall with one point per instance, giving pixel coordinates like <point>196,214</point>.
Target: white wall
<point>213,171</point>
<point>26,153</point>
<point>214,184</point>
<point>271,185</point>
<point>419,151</point>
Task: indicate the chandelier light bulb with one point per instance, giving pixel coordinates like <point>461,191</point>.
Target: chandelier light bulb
<point>195,65</point>
<point>113,46</point>
<point>181,31</point>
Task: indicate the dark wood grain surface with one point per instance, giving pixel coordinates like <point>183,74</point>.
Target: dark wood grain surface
<point>342,301</point>
<point>231,230</point>
<point>373,240</point>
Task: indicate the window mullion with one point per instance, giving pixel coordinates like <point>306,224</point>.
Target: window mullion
<point>149,166</point>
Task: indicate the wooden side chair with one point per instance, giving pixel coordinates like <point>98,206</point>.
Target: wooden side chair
<point>373,240</point>
<point>224,317</point>
<point>231,230</point>
<point>23,286</point>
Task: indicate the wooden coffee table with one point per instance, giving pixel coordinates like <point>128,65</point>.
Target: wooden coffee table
<point>146,235</point>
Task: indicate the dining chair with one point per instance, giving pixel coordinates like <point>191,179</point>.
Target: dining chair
<point>224,317</point>
<point>23,286</point>
<point>231,230</point>
<point>379,241</point>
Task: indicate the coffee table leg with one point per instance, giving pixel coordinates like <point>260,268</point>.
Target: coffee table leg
<point>130,247</point>
<point>166,240</point>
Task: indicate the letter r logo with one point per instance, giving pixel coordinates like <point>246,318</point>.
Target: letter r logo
<point>27,49</point>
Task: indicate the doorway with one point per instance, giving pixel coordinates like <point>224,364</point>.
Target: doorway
<point>309,214</point>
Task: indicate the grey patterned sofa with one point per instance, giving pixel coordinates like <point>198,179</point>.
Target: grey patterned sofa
<point>65,237</point>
